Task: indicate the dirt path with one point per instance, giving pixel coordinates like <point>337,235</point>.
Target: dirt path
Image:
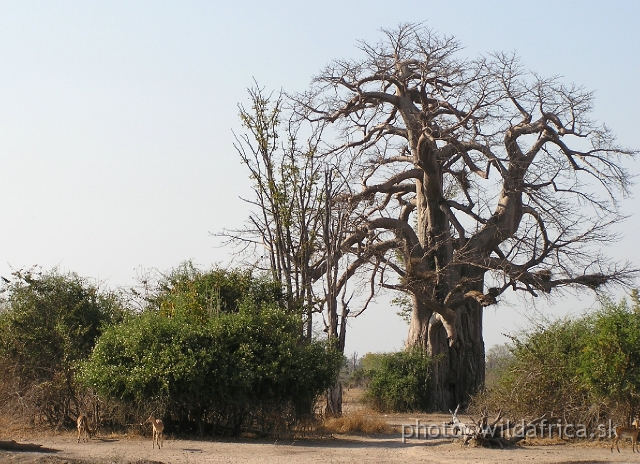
<point>387,449</point>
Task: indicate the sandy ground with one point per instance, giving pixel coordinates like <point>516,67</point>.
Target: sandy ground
<point>64,448</point>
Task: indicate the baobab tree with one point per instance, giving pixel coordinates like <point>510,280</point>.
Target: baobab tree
<point>473,178</point>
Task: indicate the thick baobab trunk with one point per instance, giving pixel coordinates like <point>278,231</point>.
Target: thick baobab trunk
<point>458,371</point>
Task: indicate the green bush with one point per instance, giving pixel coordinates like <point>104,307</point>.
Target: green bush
<point>609,361</point>
<point>49,322</point>
<point>585,370</point>
<point>543,374</point>
<point>400,383</point>
<point>224,373</point>
<point>190,292</point>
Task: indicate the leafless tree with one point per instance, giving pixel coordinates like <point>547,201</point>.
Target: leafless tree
<point>468,178</point>
<point>297,224</point>
<point>282,231</point>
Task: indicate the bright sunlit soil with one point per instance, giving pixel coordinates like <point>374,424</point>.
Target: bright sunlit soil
<point>339,447</point>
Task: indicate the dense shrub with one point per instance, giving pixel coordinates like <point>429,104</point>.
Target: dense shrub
<point>227,373</point>
<point>190,292</point>
<point>610,358</point>
<point>399,382</point>
<point>585,370</point>
<point>48,322</point>
<point>542,375</point>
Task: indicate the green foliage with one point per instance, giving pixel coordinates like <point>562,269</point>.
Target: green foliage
<point>222,372</point>
<point>372,361</point>
<point>610,357</point>
<point>403,302</point>
<point>399,382</point>
<point>49,322</point>
<point>191,293</point>
<point>585,369</point>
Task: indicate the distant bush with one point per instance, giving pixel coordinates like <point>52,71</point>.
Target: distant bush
<point>399,382</point>
<point>498,361</point>
<point>360,376</point>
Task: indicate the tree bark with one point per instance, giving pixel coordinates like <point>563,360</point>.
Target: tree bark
<point>458,371</point>
<point>334,401</point>
<point>419,324</point>
<point>337,336</point>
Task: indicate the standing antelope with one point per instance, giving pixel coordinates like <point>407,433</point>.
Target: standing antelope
<point>627,432</point>
<point>83,427</point>
<point>158,427</point>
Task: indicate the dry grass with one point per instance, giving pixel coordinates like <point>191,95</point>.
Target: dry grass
<point>356,418</point>
<point>356,422</point>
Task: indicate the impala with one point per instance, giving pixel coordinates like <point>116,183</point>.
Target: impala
<point>158,427</point>
<point>83,427</point>
<point>627,432</point>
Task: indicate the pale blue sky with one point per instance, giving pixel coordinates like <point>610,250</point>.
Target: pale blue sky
<point>116,117</point>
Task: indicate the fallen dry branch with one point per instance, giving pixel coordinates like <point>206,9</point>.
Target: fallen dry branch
<point>489,434</point>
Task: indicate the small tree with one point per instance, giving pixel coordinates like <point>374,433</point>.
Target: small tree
<point>298,225</point>
<point>282,235</point>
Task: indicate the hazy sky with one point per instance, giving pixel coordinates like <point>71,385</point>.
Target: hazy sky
<point>116,151</point>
